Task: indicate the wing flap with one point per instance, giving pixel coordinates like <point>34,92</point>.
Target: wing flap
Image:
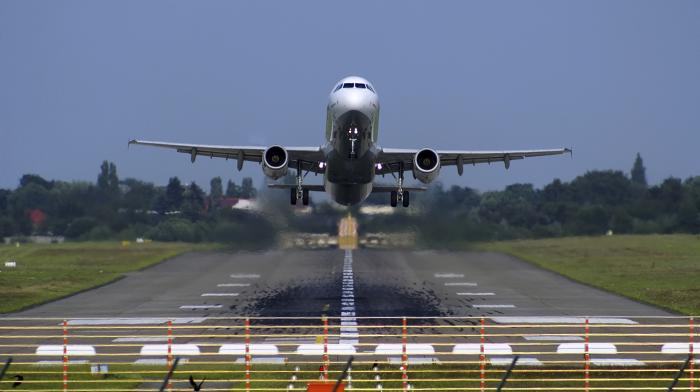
<point>307,156</point>
<point>392,158</point>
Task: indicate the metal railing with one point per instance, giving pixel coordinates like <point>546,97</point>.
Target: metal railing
<point>390,354</point>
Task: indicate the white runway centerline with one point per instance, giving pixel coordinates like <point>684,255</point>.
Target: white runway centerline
<point>348,333</point>
<point>233,285</point>
<point>472,284</point>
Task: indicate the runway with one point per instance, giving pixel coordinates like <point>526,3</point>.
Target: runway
<point>296,283</point>
<point>444,295</point>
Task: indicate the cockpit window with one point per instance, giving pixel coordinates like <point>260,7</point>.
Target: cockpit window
<point>348,85</point>
<point>359,85</point>
<point>338,87</point>
<point>370,88</point>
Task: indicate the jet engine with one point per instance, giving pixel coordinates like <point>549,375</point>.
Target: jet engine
<point>426,165</point>
<point>275,162</point>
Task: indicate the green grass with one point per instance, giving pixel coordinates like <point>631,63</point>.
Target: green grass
<point>662,270</point>
<point>51,271</point>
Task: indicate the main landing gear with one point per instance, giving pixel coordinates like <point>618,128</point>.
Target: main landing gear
<point>299,192</point>
<point>399,195</point>
<point>295,196</point>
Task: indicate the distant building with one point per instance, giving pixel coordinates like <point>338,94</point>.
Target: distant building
<point>238,203</point>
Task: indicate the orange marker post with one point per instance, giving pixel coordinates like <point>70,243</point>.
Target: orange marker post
<point>325,348</point>
<point>65,355</point>
<point>404,356</point>
<point>482,357</point>
<point>586,358</point>
<point>169,358</point>
<point>247,354</point>
<point>691,370</point>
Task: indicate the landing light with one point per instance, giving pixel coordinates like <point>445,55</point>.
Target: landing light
<point>379,166</point>
<point>321,165</point>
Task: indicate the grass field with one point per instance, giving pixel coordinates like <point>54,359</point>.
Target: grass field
<point>47,272</point>
<point>663,270</point>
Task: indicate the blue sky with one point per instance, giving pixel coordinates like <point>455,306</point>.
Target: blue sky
<point>78,79</point>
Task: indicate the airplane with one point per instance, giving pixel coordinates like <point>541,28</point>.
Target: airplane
<point>351,158</point>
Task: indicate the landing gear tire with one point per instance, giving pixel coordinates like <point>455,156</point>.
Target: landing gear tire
<point>406,200</point>
<point>394,198</point>
<point>293,199</point>
<point>305,197</point>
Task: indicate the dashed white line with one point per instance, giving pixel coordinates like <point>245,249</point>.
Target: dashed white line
<point>593,348</point>
<point>78,350</point>
<point>448,275</point>
<point>136,321</point>
<point>476,294</point>
<point>495,306</point>
<point>220,295</point>
<point>554,338</point>
<point>245,276</point>
<point>616,362</point>
<point>164,349</point>
<point>472,284</point>
<point>196,307</point>
<point>137,339</point>
<point>233,285</point>
<point>561,320</point>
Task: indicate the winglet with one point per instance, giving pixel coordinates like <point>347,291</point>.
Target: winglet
<point>570,151</point>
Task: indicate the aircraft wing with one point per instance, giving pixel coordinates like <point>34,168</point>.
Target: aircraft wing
<point>307,156</point>
<point>391,158</point>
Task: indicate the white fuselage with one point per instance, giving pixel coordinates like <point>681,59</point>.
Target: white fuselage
<point>352,128</point>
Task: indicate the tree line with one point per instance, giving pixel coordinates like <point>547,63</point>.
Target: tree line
<point>112,208</point>
<point>595,203</point>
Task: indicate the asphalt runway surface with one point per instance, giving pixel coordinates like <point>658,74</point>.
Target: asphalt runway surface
<point>443,294</point>
<point>309,283</point>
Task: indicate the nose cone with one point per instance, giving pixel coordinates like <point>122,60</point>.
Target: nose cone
<point>356,100</point>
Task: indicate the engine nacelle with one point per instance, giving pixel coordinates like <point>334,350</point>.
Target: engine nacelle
<point>426,165</point>
<point>275,162</point>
